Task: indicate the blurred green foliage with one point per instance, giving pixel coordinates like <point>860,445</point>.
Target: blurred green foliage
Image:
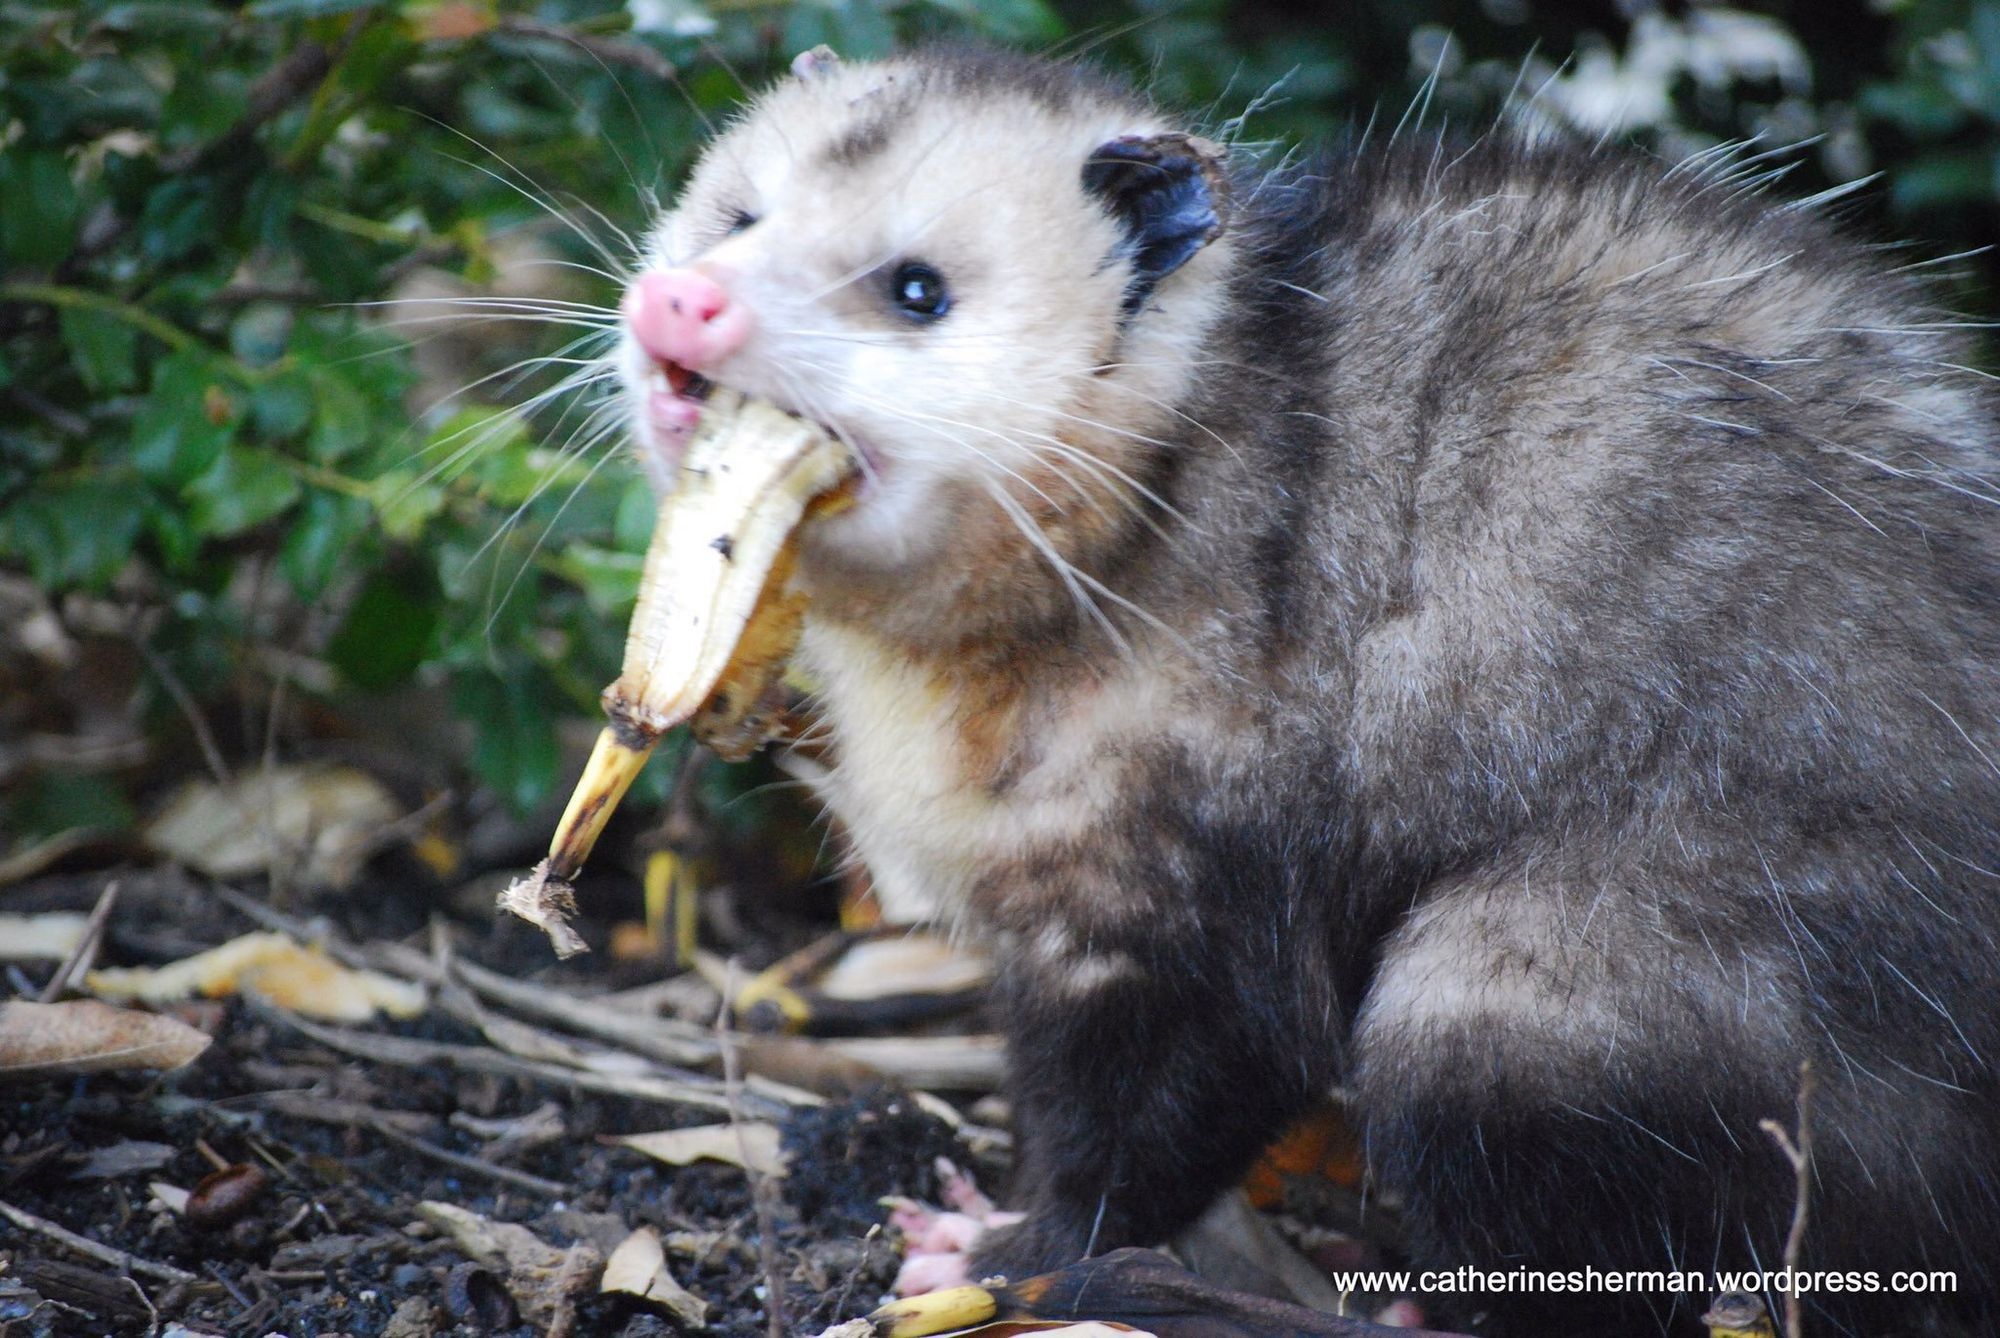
<point>206,425</point>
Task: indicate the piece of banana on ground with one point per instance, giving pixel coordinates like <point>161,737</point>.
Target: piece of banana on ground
<point>716,622</point>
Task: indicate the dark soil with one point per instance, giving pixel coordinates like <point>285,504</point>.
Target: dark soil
<point>333,1242</point>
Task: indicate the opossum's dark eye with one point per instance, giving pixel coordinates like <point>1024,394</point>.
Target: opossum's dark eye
<point>919,292</point>
<point>740,219</point>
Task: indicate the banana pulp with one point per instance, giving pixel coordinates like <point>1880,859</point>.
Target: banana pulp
<point>715,623</point>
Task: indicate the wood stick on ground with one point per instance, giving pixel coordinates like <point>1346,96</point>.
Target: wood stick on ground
<point>103,1254</point>
<point>760,1184</point>
<point>85,952</point>
<point>1799,1153</point>
<point>472,1165</point>
<point>403,1052</point>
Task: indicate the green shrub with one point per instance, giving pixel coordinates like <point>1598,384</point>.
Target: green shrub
<point>204,421</point>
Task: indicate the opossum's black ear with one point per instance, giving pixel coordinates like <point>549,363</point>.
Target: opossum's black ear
<point>816,63</point>
<point>1168,192</point>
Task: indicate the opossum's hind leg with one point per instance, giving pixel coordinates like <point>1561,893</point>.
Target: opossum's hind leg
<point>1554,1075</point>
<point>1515,1087</point>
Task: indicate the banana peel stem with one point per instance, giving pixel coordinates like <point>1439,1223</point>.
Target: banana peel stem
<point>935,1312</point>
<point>614,764</point>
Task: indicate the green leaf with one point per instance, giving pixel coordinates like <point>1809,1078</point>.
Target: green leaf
<point>387,633</point>
<point>340,425</point>
<point>102,347</point>
<point>516,751</point>
<point>174,534</point>
<point>1943,178</point>
<point>1008,20</point>
<point>243,489</point>
<point>179,216</point>
<point>638,513</point>
<point>38,224</point>
<point>58,801</point>
<point>282,406</point>
<point>858,29</point>
<point>321,540</point>
<point>204,102</point>
<point>176,435</point>
<point>309,9</point>
<point>257,336</point>
<point>609,580</point>
<point>406,503</point>
<point>75,533</point>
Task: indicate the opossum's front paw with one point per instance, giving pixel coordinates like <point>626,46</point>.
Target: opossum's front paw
<point>937,1243</point>
<point>1036,1244</point>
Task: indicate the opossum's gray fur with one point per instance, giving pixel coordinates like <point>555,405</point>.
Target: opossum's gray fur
<point>1553,692</point>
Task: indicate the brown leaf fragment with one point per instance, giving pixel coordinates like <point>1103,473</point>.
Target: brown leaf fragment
<point>638,1267</point>
<point>753,1145</point>
<point>130,1157</point>
<point>415,1317</point>
<point>546,902</point>
<point>317,825</point>
<point>85,1036</point>
<point>290,974</point>
<point>541,1278</point>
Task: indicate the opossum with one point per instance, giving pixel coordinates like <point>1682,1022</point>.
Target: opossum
<point>1506,629</point>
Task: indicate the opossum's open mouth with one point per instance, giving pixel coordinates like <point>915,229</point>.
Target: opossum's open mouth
<point>674,399</point>
<point>674,396</point>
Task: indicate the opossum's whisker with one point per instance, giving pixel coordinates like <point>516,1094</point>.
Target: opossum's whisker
<point>541,540</point>
<point>908,415</point>
<point>524,366</point>
<point>540,196</point>
<point>476,437</point>
<point>503,301</point>
<point>639,122</point>
<point>1180,413</point>
<point>1074,451</point>
<point>801,395</point>
<point>1065,570</point>
<point>1108,477</point>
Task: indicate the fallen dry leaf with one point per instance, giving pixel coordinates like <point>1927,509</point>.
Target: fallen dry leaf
<point>541,1278</point>
<point>84,1036</point>
<point>51,936</point>
<point>753,1145</point>
<point>912,963</point>
<point>316,825</point>
<point>638,1267</point>
<point>271,966</point>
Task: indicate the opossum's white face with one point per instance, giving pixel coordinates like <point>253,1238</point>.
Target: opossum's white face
<point>917,262</point>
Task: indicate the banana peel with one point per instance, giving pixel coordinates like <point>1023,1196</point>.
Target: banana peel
<point>716,621</point>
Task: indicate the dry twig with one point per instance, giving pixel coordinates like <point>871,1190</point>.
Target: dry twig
<point>104,1254</point>
<point>85,952</point>
<point>760,1184</point>
<point>535,1184</point>
<point>1799,1153</point>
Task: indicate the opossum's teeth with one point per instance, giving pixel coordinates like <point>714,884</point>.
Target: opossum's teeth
<point>716,619</point>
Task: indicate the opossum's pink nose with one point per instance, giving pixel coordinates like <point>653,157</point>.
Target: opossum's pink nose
<point>683,316</point>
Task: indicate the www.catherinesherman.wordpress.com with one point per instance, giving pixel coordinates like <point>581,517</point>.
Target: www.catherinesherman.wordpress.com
<point>1784,1281</point>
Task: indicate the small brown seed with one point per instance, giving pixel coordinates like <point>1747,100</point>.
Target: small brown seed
<point>225,1195</point>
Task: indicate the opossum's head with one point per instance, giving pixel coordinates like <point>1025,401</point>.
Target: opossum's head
<point>990,274</point>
